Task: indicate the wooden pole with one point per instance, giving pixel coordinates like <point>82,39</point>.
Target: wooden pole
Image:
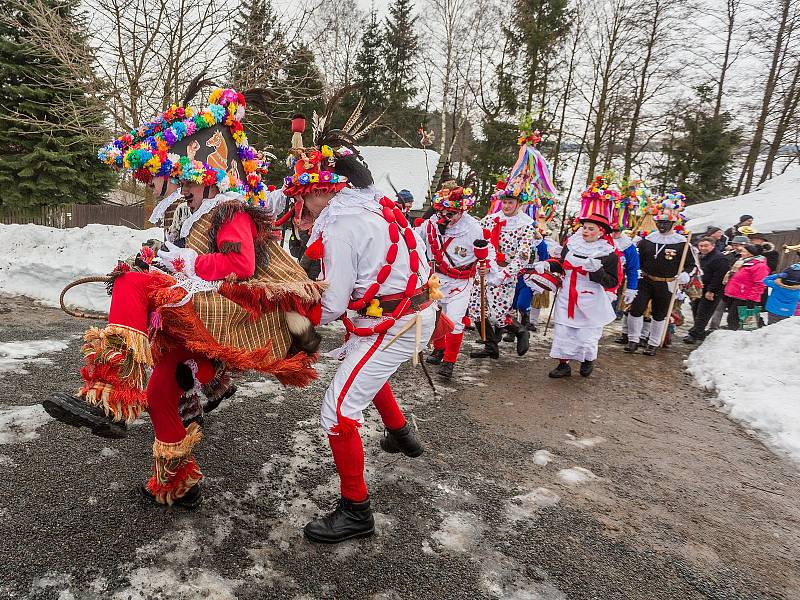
<point>483,306</point>
<point>675,291</point>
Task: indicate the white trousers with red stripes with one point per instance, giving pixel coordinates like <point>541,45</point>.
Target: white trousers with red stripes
<point>457,293</point>
<point>367,367</point>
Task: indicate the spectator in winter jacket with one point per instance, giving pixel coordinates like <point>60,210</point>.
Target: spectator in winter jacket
<point>744,221</point>
<point>784,297</point>
<point>714,265</point>
<point>767,251</point>
<point>720,239</point>
<point>746,284</point>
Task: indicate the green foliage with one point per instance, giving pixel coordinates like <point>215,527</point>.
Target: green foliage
<point>700,158</point>
<point>493,156</point>
<point>369,71</point>
<point>402,50</point>
<point>45,158</point>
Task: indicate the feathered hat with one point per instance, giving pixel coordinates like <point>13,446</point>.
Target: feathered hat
<point>598,201</point>
<point>453,197</point>
<point>313,166</point>
<point>530,179</point>
<point>670,206</point>
<point>206,147</point>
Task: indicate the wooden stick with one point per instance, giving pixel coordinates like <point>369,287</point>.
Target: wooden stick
<point>675,291</point>
<point>552,308</point>
<point>483,306</point>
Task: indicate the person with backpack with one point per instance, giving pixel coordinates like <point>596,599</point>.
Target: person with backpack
<point>784,297</point>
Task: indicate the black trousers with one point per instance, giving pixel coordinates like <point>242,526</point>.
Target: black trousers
<point>732,306</point>
<point>705,309</point>
<point>658,292</point>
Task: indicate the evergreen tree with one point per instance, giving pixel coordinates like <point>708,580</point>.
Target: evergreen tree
<point>699,160</point>
<point>369,72</point>
<point>536,31</point>
<point>258,50</point>
<point>493,156</point>
<point>43,158</point>
<point>402,49</point>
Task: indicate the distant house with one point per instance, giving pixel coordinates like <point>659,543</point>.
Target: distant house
<point>775,207</point>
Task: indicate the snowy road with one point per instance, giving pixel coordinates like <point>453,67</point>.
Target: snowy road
<point>544,489</point>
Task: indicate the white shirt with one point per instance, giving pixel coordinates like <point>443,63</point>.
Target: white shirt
<point>356,239</point>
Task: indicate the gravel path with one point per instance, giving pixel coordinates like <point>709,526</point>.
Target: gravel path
<point>626,485</point>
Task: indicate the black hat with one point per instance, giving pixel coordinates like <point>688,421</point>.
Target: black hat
<point>754,249</point>
<point>745,218</point>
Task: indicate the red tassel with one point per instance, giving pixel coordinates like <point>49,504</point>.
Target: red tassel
<point>316,251</point>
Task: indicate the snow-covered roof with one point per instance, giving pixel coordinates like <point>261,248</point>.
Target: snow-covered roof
<point>775,206</point>
<point>405,167</point>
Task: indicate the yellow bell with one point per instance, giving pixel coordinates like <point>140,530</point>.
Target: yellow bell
<point>374,309</point>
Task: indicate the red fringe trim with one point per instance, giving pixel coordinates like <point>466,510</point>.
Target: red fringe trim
<point>184,479</point>
<point>117,398</point>
<point>256,301</point>
<point>346,426</point>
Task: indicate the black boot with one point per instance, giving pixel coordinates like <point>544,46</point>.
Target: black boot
<point>650,350</point>
<point>402,440</point>
<point>190,500</point>
<point>631,347</point>
<point>75,411</point>
<point>212,404</point>
<point>491,348</point>
<point>435,357</point>
<point>446,370</point>
<point>509,334</point>
<point>562,370</point>
<point>587,367</point>
<point>690,339</point>
<point>622,339</point>
<point>523,338</point>
<point>349,520</point>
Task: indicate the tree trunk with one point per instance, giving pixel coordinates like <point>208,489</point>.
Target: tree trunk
<point>790,105</point>
<point>746,179</point>
<point>732,8</point>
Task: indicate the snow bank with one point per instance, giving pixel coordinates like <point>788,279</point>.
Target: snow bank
<point>755,375</point>
<point>15,355</point>
<point>774,207</point>
<point>404,166</point>
<point>38,261</point>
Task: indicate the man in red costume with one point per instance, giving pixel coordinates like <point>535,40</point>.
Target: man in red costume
<point>230,295</point>
<point>372,265</point>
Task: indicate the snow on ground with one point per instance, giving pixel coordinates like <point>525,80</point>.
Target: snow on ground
<point>15,355</point>
<point>755,375</point>
<point>19,423</point>
<point>774,206</point>
<point>576,476</point>
<point>404,166</point>
<point>39,261</point>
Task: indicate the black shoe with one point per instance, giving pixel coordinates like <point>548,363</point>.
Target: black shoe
<point>190,500</point>
<point>446,370</point>
<point>435,357</point>
<point>509,335</point>
<point>523,340</point>
<point>690,339</point>
<point>587,367</point>
<point>562,370</point>
<point>402,440</point>
<point>631,347</point>
<point>491,350</point>
<point>650,350</point>
<point>75,411</point>
<point>622,339</point>
<point>212,404</point>
<point>349,520</point>
<point>531,327</point>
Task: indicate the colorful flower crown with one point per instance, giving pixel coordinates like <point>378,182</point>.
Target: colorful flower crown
<point>454,199</point>
<point>145,150</point>
<point>313,171</point>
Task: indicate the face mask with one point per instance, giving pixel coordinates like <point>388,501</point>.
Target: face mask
<point>664,226</point>
<point>443,222</point>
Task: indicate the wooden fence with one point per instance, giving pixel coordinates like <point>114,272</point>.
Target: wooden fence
<point>75,215</point>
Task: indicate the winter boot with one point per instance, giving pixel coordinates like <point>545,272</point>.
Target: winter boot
<point>523,339</point>
<point>631,347</point>
<point>650,350</point>
<point>402,440</point>
<point>75,411</point>
<point>491,347</point>
<point>509,334</point>
<point>446,370</point>
<point>349,520</point>
<point>214,403</point>
<point>435,357</point>
<point>587,367</point>
<point>690,339</point>
<point>562,370</point>
<point>190,500</point>
<point>622,339</point>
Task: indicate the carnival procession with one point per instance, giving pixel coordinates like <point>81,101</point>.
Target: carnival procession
<point>291,334</point>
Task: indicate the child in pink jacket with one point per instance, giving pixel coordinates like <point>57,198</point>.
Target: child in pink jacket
<point>746,283</point>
